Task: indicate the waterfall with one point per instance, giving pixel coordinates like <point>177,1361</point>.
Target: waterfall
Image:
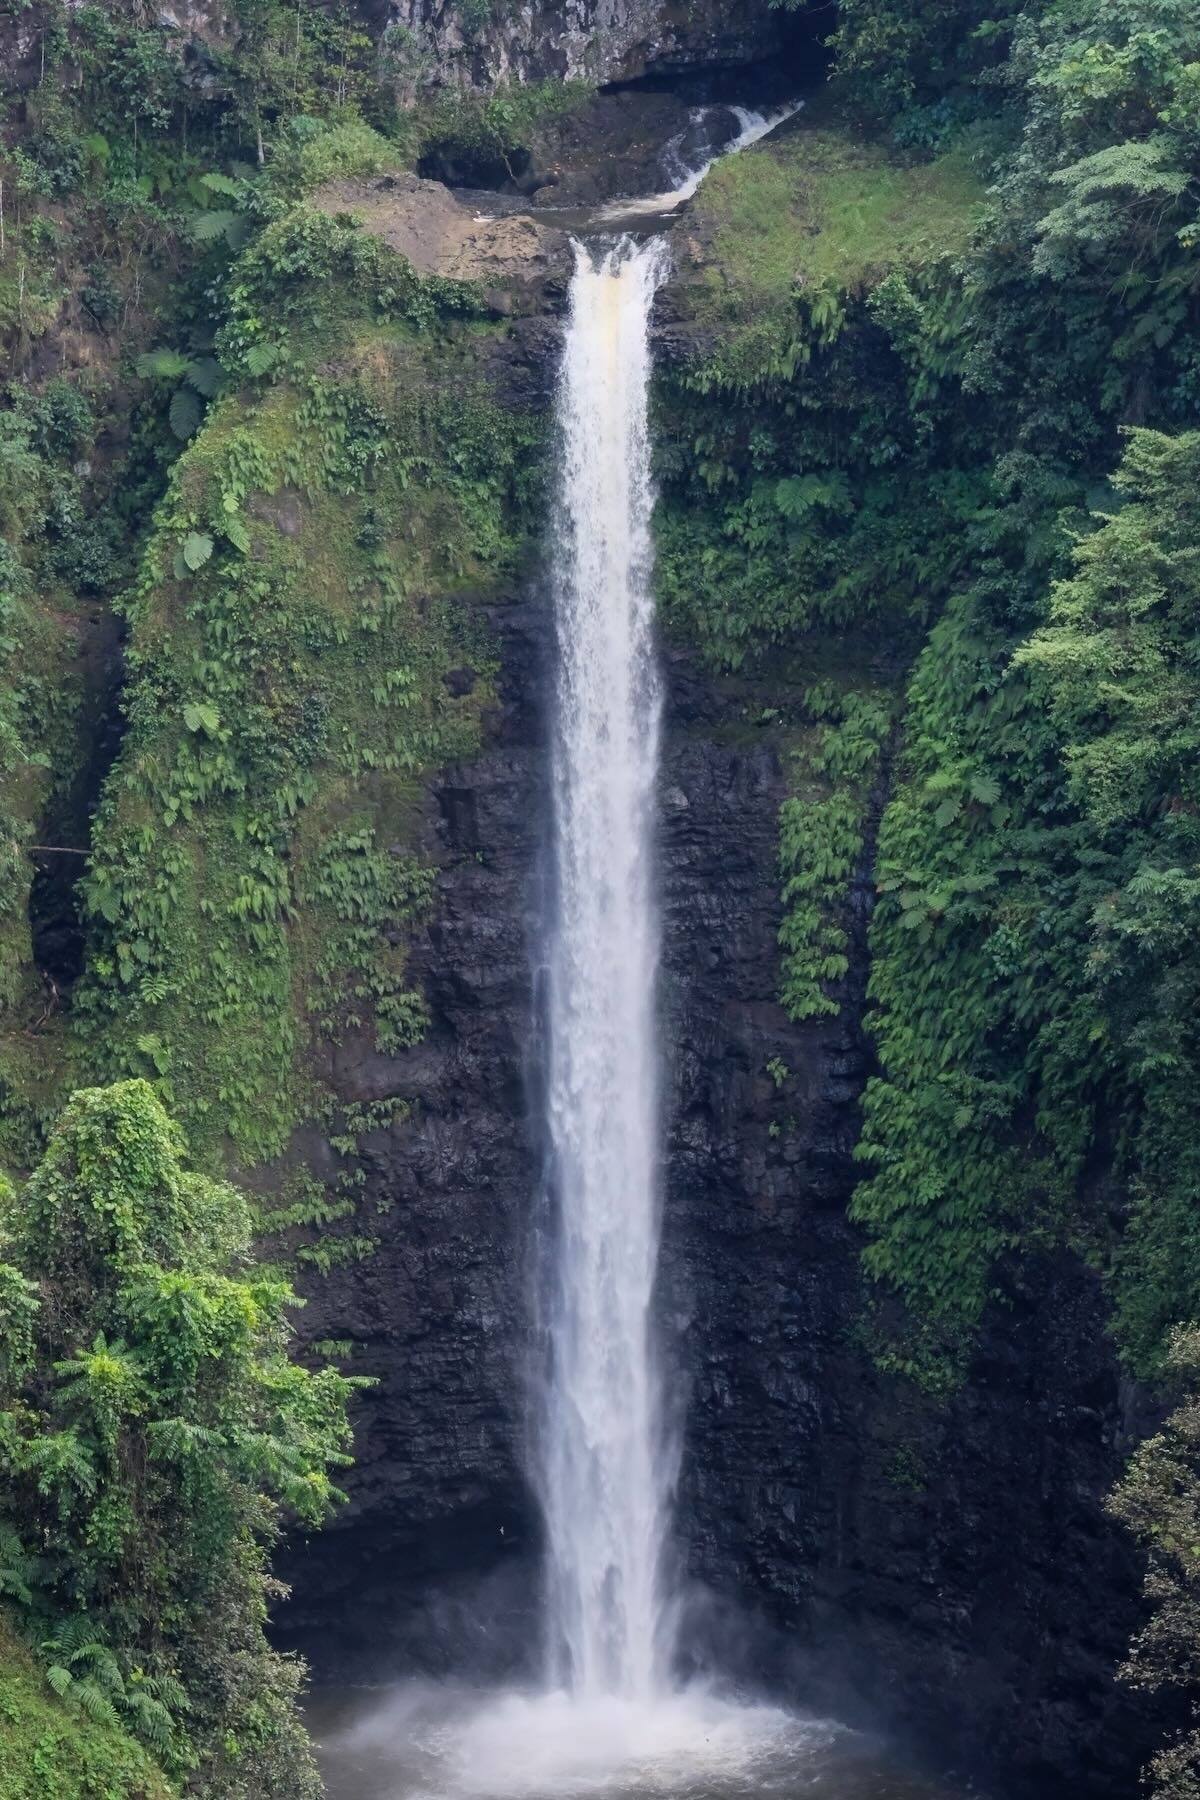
<point>751,127</point>
<point>609,1720</point>
<point>605,1470</point>
<point>608,1723</point>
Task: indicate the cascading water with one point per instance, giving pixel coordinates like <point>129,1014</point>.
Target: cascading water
<point>751,127</point>
<point>605,1469</point>
<point>609,1720</point>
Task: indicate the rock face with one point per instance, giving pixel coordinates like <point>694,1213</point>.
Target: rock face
<point>525,265</point>
<point>439,1505</point>
<point>474,44</point>
<point>948,1572</point>
<point>477,44</point>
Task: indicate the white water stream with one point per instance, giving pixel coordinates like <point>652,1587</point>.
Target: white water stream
<point>751,127</point>
<point>605,1468</point>
<point>606,1462</point>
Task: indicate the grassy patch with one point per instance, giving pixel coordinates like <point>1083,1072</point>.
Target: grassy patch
<point>812,258</point>
<point>51,1750</point>
<point>819,209</point>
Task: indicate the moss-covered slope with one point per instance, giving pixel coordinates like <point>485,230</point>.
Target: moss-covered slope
<point>50,1749</point>
<point>301,649</point>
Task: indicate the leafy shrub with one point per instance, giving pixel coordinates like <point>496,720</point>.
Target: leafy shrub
<point>1158,1498</point>
<point>314,151</point>
<point>822,837</point>
<point>153,1437</point>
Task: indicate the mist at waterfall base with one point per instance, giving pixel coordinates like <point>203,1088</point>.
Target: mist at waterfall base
<point>437,1742</point>
<point>610,1716</point>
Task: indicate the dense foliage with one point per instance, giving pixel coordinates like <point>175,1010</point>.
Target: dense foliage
<point>1034,905</point>
<point>240,902</point>
<point>246,463</point>
<point>931,430</point>
<point>153,1433</point>
<point>289,634</point>
<point>53,1747</point>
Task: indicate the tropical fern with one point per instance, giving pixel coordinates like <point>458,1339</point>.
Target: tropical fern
<point>18,1569</point>
<point>84,1669</point>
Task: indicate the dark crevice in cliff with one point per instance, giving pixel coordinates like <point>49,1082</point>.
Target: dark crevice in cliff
<point>632,136</point>
<point>467,165</point>
<point>64,834</point>
<point>55,927</point>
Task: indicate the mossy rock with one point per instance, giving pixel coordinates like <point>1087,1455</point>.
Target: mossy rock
<point>304,602</point>
<point>783,238</point>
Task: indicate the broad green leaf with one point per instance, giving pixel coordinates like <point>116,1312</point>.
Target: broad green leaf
<point>207,226</point>
<point>161,365</point>
<point>985,789</point>
<point>261,357</point>
<point>220,184</point>
<point>184,414</point>
<point>105,901</point>
<point>205,375</point>
<point>198,715</point>
<point>197,548</point>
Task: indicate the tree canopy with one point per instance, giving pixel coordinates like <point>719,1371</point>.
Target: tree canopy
<point>154,1437</point>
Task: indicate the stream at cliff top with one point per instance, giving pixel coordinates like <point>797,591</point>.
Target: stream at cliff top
<point>611,1716</point>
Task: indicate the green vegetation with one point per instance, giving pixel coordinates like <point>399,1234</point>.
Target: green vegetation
<point>1157,1500</point>
<point>126,195</point>
<point>972,429</point>
<point>924,68</point>
<point>54,1749</point>
<point>942,415</point>
<point>781,443</point>
<point>823,828</point>
<point>153,1436</point>
<point>907,419</point>
<point>268,459</point>
<point>291,626</point>
<point>62,553</point>
<point>1118,669</point>
<point>490,134</point>
<point>290,608</point>
<point>819,207</point>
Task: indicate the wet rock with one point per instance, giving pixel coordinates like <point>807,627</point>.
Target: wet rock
<point>630,142</point>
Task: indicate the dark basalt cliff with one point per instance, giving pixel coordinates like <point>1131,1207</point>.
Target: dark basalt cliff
<point>947,1571</point>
